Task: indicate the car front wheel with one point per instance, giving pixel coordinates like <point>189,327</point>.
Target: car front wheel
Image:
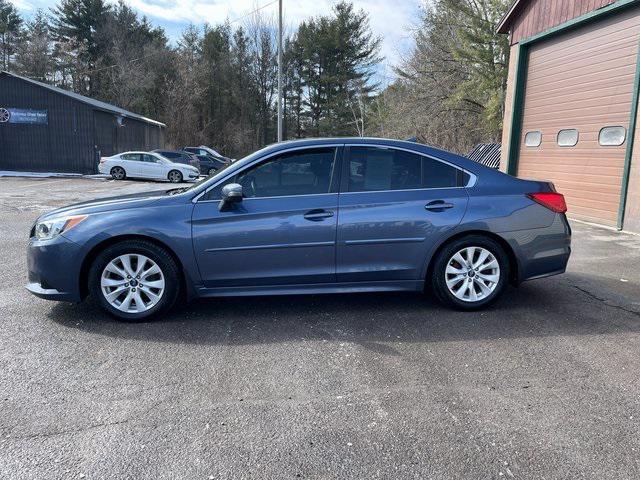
<point>175,176</point>
<point>118,173</point>
<point>470,273</point>
<point>134,280</point>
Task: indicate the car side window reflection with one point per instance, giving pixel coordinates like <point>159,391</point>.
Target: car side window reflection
<point>380,169</point>
<point>305,172</point>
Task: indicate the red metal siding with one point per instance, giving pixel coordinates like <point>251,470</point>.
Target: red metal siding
<point>582,80</point>
<point>539,15</point>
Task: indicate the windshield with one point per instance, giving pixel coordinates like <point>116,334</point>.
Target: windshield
<point>213,178</point>
<point>161,159</point>
<point>211,151</point>
<point>195,185</point>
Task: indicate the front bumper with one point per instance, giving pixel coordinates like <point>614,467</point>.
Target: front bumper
<point>54,269</point>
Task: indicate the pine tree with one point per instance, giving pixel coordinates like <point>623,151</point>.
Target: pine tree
<point>11,25</point>
<point>76,28</point>
<point>33,57</point>
<point>338,59</point>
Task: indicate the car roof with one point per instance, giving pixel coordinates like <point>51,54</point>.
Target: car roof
<point>460,160</point>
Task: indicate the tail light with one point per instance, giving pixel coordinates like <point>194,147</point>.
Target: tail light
<point>103,159</point>
<point>552,200</point>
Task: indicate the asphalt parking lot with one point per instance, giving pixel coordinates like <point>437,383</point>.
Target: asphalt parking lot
<point>543,385</point>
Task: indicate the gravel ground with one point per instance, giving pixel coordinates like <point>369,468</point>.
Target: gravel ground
<point>543,385</point>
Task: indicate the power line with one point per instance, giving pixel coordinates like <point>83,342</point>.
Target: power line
<point>254,11</point>
<point>162,51</point>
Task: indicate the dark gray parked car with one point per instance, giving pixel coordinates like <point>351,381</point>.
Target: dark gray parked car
<point>210,160</point>
<point>310,216</point>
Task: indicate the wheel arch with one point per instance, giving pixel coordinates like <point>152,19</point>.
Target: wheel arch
<point>185,287</point>
<point>514,267</point>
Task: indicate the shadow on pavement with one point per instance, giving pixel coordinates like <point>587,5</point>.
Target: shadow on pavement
<point>542,308</point>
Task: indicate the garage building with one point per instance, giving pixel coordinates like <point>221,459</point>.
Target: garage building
<point>572,104</point>
<point>47,129</point>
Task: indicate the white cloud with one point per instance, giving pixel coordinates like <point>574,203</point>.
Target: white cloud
<point>22,4</point>
<point>393,21</point>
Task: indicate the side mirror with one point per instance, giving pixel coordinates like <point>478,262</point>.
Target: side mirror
<point>231,193</point>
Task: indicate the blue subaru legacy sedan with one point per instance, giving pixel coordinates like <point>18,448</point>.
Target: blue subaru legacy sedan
<point>308,216</point>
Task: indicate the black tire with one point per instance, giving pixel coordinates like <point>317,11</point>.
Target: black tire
<point>159,255</point>
<point>438,279</point>
<point>175,176</point>
<point>211,171</point>
<point>118,173</point>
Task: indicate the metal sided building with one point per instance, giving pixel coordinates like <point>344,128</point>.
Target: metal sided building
<point>47,129</point>
<point>572,104</point>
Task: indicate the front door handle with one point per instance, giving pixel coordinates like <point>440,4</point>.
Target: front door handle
<point>438,206</point>
<point>318,214</point>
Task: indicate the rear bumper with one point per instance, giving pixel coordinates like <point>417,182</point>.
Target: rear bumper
<point>53,269</point>
<point>541,252</point>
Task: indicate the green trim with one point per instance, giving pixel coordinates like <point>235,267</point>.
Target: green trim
<point>581,20</point>
<point>633,117</point>
<point>517,110</point>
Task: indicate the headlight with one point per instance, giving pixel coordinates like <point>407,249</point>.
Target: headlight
<point>52,228</point>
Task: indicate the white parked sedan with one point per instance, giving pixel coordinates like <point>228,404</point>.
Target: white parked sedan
<point>146,165</point>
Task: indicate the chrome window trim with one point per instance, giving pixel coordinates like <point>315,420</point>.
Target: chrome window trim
<point>281,196</point>
<point>472,176</point>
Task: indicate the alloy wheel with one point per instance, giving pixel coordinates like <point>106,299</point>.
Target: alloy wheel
<point>117,173</point>
<point>132,283</point>
<point>472,274</point>
<point>175,176</point>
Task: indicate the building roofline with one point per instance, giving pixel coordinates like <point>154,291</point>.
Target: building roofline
<point>505,21</point>
<point>97,104</point>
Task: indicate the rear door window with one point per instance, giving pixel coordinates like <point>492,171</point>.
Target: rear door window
<point>380,169</point>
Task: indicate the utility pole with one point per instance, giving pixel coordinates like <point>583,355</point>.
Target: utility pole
<point>279,70</point>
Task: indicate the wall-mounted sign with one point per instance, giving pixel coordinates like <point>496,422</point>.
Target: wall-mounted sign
<point>23,115</point>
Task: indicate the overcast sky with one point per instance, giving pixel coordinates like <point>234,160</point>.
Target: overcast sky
<point>393,20</point>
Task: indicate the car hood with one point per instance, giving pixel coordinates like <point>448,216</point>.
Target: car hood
<point>184,166</point>
<point>122,202</point>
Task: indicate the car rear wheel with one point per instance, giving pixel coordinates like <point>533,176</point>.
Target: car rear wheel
<point>118,173</point>
<point>175,176</point>
<point>470,273</point>
<point>211,171</point>
<point>134,280</point>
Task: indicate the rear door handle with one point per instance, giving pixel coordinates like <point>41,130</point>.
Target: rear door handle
<point>318,214</point>
<point>438,206</point>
